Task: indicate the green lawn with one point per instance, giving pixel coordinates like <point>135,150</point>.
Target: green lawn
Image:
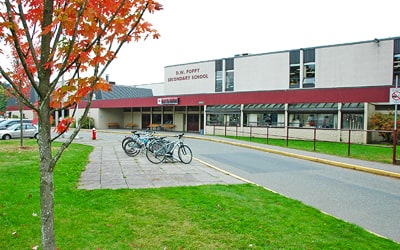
<point>205,217</point>
<point>377,153</point>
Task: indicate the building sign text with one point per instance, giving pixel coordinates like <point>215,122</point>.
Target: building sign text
<point>188,74</point>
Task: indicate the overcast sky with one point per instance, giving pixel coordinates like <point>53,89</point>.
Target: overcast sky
<point>199,30</point>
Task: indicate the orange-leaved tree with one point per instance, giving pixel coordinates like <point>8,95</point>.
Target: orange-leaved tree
<point>385,124</point>
<point>21,84</point>
<point>51,38</point>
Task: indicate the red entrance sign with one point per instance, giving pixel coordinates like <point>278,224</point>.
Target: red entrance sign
<point>168,101</point>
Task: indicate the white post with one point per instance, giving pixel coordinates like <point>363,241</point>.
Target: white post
<point>395,107</point>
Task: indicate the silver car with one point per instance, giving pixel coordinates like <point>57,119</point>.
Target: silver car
<point>14,131</point>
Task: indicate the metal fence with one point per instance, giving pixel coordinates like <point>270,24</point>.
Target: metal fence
<point>314,135</point>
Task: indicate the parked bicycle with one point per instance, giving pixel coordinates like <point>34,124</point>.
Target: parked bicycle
<point>162,150</point>
<point>137,142</point>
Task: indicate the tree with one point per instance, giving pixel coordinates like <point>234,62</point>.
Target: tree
<point>56,37</point>
<point>384,123</point>
<point>3,101</point>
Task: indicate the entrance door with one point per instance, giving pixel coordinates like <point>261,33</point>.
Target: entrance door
<point>145,120</point>
<point>193,122</point>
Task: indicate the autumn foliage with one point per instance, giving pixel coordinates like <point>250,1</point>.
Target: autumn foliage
<point>384,123</point>
<point>84,37</point>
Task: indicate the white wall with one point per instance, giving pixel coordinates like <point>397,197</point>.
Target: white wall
<point>262,72</point>
<point>106,116</point>
<point>360,64</point>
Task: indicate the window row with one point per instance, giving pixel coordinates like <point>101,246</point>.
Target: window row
<point>306,120</point>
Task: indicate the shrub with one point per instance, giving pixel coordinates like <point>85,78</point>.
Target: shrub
<point>86,123</point>
<point>379,121</point>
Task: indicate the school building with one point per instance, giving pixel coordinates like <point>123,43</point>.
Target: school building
<point>333,88</point>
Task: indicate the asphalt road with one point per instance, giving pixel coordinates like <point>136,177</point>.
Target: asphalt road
<point>368,200</point>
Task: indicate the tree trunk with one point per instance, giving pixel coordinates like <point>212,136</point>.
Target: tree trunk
<point>47,206</point>
<point>46,182</point>
<point>21,134</point>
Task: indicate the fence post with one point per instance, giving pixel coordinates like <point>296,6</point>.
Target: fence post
<point>349,143</point>
<point>394,161</point>
<point>214,130</point>
<point>267,133</point>
<point>251,131</point>
<point>225,129</point>
<point>315,137</point>
<point>236,130</point>
<point>287,136</point>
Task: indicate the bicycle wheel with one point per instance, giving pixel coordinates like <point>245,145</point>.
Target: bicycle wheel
<point>131,148</point>
<point>185,154</point>
<point>155,152</point>
<point>125,140</point>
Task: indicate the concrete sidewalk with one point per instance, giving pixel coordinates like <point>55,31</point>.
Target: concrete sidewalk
<point>110,168</point>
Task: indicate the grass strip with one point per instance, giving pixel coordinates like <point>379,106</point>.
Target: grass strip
<point>376,153</point>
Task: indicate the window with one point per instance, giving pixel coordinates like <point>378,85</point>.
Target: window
<point>313,115</point>
<point>146,109</point>
<point>353,115</point>
<point>263,115</point>
<point>215,119</point>
<point>221,115</point>
<point>313,120</point>
<point>271,119</point>
<point>294,77</point>
<point>233,120</point>
<point>218,76</point>
<point>229,80</point>
<point>168,119</point>
<point>229,74</point>
<point>193,108</point>
<point>396,61</point>
<point>352,121</point>
<point>168,108</point>
<point>309,68</point>
<point>156,118</point>
<point>180,108</point>
<point>223,119</point>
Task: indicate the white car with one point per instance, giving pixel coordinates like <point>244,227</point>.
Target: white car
<point>14,131</point>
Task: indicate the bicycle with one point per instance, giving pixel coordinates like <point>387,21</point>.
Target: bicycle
<point>137,142</point>
<point>163,149</point>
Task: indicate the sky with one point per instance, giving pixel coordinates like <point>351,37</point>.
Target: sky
<point>201,30</point>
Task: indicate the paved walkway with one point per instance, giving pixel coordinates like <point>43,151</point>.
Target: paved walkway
<point>110,168</point>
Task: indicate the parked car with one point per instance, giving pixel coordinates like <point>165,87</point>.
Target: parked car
<point>14,131</point>
<point>9,122</point>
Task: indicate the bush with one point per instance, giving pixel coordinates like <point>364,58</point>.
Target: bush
<point>86,123</point>
<point>385,122</point>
